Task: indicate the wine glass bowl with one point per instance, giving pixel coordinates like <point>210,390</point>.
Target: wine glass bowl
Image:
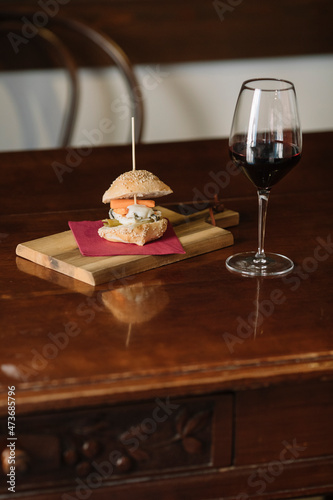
<point>265,143</point>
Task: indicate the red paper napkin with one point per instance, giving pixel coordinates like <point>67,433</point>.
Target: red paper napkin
<point>92,245</point>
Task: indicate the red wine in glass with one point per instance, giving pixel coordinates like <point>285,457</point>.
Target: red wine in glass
<point>265,143</point>
<point>267,164</point>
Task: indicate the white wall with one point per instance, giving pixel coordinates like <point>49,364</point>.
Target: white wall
<point>182,101</point>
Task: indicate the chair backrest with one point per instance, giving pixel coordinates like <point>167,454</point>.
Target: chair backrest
<point>48,45</point>
<point>51,38</point>
<point>117,56</point>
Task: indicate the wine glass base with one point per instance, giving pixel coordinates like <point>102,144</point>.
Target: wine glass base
<point>247,264</point>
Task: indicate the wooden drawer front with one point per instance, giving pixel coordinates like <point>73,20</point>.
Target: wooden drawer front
<point>113,442</point>
<point>284,423</point>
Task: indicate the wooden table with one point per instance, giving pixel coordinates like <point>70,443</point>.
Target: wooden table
<point>220,388</point>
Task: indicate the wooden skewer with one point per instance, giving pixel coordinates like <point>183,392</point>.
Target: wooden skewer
<point>129,331</point>
<point>133,144</point>
<point>133,151</point>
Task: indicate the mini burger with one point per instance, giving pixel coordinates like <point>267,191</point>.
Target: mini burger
<point>132,214</point>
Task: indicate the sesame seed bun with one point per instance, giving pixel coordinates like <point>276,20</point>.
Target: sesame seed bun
<point>138,234</point>
<point>141,183</point>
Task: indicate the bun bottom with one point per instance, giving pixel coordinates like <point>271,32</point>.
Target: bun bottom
<point>139,235</point>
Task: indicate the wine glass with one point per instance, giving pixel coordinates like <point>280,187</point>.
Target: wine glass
<point>266,143</point>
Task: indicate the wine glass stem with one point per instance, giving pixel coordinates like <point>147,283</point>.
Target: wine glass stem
<point>263,195</point>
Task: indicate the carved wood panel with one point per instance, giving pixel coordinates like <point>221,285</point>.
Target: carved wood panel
<point>102,444</point>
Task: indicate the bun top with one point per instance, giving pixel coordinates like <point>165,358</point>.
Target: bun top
<point>141,183</point>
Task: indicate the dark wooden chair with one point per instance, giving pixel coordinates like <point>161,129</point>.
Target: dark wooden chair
<point>50,45</point>
<point>47,46</point>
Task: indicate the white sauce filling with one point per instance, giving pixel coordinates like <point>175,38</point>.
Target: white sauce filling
<point>136,213</point>
<point>140,210</point>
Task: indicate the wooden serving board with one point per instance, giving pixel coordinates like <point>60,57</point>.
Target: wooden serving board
<point>60,251</point>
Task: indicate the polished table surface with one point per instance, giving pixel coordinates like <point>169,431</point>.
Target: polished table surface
<point>200,330</point>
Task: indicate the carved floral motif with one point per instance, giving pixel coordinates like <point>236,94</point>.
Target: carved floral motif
<point>76,442</point>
